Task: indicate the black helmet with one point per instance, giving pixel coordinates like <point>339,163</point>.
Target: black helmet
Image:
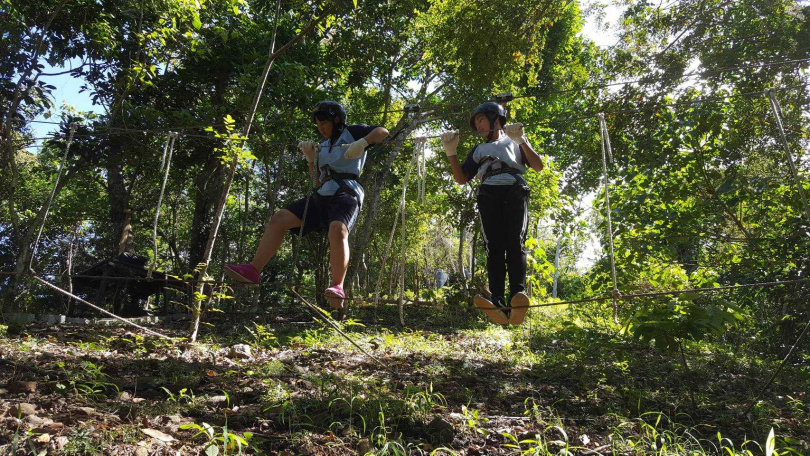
<point>329,110</point>
<point>493,111</point>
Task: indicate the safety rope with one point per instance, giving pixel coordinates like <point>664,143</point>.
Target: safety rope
<point>104,311</point>
<point>308,196</point>
<point>776,108</point>
<point>166,160</point>
<point>777,113</point>
<point>777,371</point>
<point>606,148</point>
<point>561,117</point>
<point>202,270</point>
<point>422,168</point>
<point>320,314</point>
<point>419,152</point>
<point>48,203</point>
<point>401,209</point>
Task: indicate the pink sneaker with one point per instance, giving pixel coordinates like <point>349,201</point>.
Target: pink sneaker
<point>243,273</point>
<point>336,296</point>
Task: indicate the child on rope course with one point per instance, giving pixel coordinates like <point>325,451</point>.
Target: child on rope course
<point>503,198</point>
<point>339,160</point>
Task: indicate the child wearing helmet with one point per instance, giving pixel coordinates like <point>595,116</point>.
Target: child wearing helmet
<point>502,204</point>
<point>334,207</point>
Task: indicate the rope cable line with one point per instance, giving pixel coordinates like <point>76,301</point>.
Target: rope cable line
<point>167,161</point>
<point>104,311</point>
<point>49,202</point>
<point>776,108</point>
<point>558,117</point>
<point>220,206</point>
<point>400,209</point>
<point>47,207</point>
<point>420,147</point>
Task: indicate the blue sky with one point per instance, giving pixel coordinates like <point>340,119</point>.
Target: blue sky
<point>67,91</point>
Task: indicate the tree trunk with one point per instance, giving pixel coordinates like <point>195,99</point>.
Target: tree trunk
<point>69,266</point>
<point>462,239</point>
<point>8,115</point>
<point>556,267</point>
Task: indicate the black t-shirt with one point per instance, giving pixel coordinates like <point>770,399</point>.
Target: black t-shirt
<point>357,131</point>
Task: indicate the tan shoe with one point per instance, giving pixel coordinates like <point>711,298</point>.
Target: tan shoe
<point>520,305</point>
<point>495,314</point>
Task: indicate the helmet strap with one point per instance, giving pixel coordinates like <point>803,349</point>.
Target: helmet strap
<point>491,128</point>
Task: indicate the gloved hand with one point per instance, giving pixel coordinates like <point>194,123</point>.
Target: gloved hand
<point>450,142</point>
<point>356,148</point>
<point>310,149</point>
<point>515,132</point>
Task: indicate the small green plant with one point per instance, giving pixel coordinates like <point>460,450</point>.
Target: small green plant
<point>422,402</point>
<point>219,439</point>
<point>263,337</point>
<point>19,440</point>
<point>682,318</point>
<point>472,420</point>
<point>82,443</point>
<point>88,381</point>
<point>185,395</point>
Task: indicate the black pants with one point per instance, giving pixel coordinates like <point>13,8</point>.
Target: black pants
<point>504,215</point>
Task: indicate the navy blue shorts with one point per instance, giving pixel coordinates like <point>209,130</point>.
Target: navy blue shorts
<point>323,210</point>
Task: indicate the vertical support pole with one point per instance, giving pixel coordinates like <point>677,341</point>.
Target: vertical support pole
<point>608,152</point>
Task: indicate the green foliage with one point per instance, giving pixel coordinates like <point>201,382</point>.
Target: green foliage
<point>86,381</point>
<point>219,439</point>
<point>263,336</point>
<point>184,395</point>
<point>82,443</point>
<point>682,318</point>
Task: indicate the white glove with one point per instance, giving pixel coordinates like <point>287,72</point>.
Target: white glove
<point>310,149</point>
<point>450,142</point>
<point>356,148</point>
<point>515,132</point>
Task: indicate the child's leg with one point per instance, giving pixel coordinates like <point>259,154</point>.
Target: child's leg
<point>338,251</point>
<point>280,222</point>
<point>342,211</point>
<point>515,222</point>
<point>490,211</point>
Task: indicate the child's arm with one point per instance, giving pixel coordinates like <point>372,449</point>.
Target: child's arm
<point>515,133</point>
<point>356,149</point>
<point>535,162</point>
<point>450,143</point>
<point>377,135</point>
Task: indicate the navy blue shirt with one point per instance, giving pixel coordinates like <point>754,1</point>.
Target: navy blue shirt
<point>359,130</point>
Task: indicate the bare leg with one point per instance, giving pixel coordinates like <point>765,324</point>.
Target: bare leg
<point>280,222</point>
<point>338,251</point>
